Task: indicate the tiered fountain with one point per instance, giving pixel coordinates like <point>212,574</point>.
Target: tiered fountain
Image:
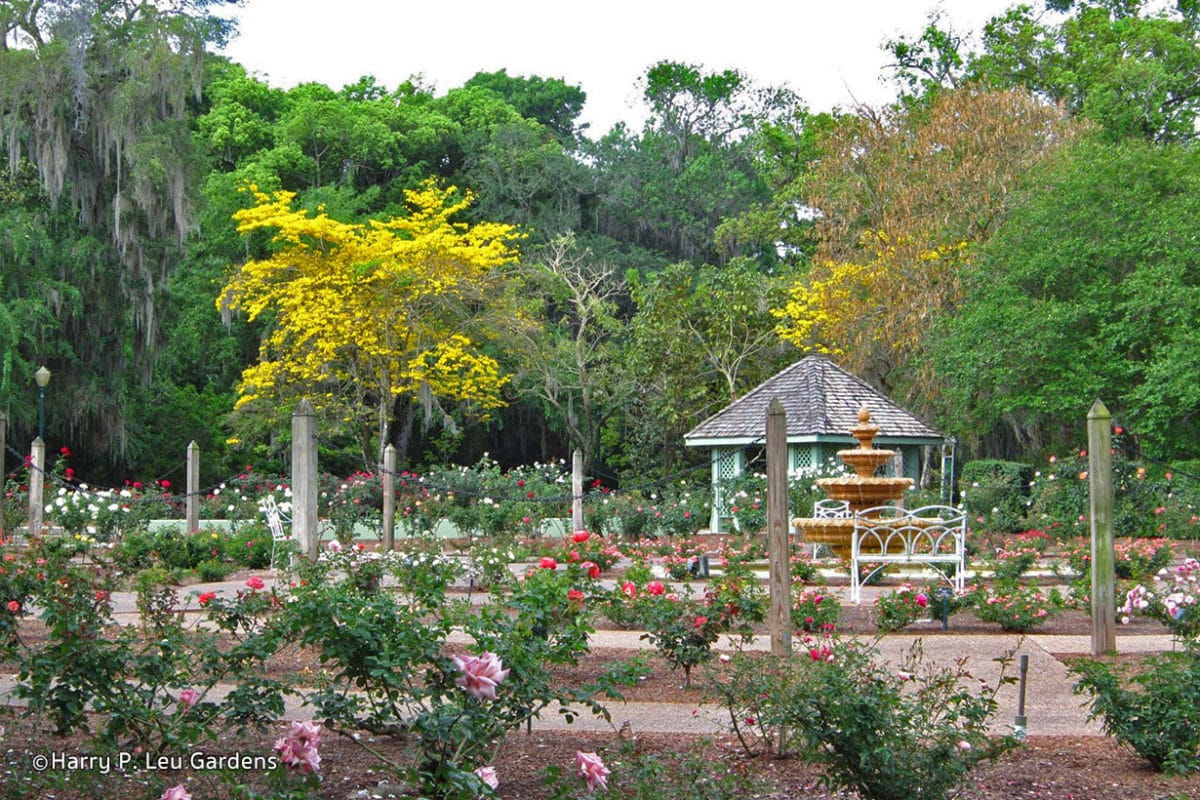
<point>861,491</point>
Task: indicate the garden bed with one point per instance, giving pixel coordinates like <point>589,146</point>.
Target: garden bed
<point>1044,767</point>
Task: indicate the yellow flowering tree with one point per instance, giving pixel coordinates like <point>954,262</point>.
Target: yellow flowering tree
<point>882,303</point>
<point>363,315</point>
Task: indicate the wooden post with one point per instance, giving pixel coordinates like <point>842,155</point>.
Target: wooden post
<point>389,498</point>
<point>1100,508</point>
<point>193,487</point>
<point>779,618</point>
<point>577,492</point>
<point>3,472</point>
<point>37,477</point>
<point>304,478</point>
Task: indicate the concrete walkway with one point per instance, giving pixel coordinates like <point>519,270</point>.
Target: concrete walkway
<point>1051,707</point>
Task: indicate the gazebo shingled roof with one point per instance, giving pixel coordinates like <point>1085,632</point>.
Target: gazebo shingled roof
<point>820,399</point>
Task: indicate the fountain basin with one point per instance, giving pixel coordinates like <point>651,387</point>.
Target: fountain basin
<point>863,493</point>
<point>833,532</point>
<point>837,533</point>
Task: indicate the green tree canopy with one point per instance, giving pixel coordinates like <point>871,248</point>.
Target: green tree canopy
<point>1090,289</point>
<point>1132,66</point>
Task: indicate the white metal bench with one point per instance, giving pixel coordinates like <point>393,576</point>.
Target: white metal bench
<point>281,540</point>
<point>931,535</point>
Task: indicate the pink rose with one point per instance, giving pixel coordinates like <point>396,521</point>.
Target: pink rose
<point>480,674</point>
<point>488,776</point>
<point>655,588</point>
<point>629,589</point>
<point>176,792</point>
<point>188,698</point>
<point>592,769</point>
<point>299,748</point>
<point>255,582</point>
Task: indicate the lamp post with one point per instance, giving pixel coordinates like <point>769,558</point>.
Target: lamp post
<point>42,376</point>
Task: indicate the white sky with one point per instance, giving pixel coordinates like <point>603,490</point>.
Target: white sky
<point>826,50</point>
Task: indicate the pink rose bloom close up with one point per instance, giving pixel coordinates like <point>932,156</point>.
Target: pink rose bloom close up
<point>299,748</point>
<point>176,792</point>
<point>188,698</point>
<point>480,674</point>
<point>488,776</point>
<point>592,769</point>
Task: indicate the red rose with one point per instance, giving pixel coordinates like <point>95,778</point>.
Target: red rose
<point>655,588</point>
<point>575,596</point>
<point>592,570</point>
<point>580,536</point>
<point>700,622</point>
<point>548,563</point>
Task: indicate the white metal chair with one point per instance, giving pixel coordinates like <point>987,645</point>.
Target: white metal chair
<point>827,508</point>
<point>281,540</point>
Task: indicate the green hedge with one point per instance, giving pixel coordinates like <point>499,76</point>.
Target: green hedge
<point>997,490</point>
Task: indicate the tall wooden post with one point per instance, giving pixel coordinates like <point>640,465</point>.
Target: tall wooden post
<point>37,478</point>
<point>389,498</point>
<point>780,614</point>
<point>3,472</point>
<point>577,491</point>
<point>193,487</point>
<point>3,446</point>
<point>304,478</point>
<point>1100,508</point>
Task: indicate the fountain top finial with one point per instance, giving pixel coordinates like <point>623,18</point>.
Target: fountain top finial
<point>865,431</point>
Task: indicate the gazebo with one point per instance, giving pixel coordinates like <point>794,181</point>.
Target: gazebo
<point>821,401</point>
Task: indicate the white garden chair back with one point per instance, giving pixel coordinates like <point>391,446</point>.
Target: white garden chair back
<point>281,539</point>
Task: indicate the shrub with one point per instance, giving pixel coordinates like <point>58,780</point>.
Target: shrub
<point>996,491</point>
<point>683,631</point>
<point>1133,559</point>
<point>250,546</point>
<point>814,609</point>
<point>211,571</point>
<point>1153,708</point>
<point>886,733</point>
<point>1173,600</point>
<point>134,680</point>
<point>1014,607</point>
<point>895,611</point>
<point>392,673</point>
<point>1011,563</point>
<point>638,775</point>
